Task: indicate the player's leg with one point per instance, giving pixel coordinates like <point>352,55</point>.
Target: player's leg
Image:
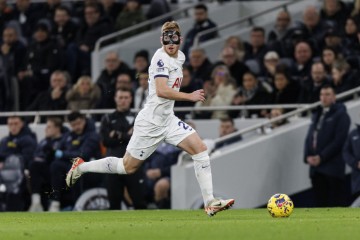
<point>193,145</point>
<point>126,165</point>
<point>185,137</point>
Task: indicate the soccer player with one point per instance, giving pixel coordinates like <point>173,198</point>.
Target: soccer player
<point>156,122</point>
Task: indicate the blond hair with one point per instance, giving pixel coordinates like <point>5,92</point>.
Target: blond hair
<point>170,26</point>
<point>81,80</point>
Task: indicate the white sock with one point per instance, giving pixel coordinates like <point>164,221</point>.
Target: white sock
<point>35,198</point>
<point>203,174</point>
<point>104,165</point>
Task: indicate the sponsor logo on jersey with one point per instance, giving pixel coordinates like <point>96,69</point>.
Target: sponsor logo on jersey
<point>177,83</point>
<point>160,63</point>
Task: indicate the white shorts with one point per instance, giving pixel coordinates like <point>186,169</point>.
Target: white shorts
<point>147,136</point>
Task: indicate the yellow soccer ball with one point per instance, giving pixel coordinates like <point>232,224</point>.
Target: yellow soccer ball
<point>280,205</point>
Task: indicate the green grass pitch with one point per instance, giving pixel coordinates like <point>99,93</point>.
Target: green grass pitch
<point>307,224</point>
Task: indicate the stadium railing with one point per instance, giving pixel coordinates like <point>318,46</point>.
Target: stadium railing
<point>248,19</point>
<point>300,109</point>
<point>38,114</point>
<point>298,112</point>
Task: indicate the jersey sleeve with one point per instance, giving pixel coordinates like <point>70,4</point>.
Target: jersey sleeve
<point>161,65</point>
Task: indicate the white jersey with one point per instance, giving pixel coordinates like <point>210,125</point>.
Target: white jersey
<point>158,110</point>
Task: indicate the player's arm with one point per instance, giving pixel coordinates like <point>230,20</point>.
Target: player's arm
<point>163,91</point>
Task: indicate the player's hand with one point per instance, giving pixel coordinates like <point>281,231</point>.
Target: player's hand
<point>198,95</point>
<point>358,165</point>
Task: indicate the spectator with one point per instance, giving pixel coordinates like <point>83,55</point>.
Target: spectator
<point>351,40</point>
<point>277,112</point>
<point>40,165</point>
<point>310,89</point>
<point>43,57</point>
<point>256,48</point>
<point>251,92</point>
<point>20,141</point>
<point>303,60</point>
<point>90,31</point>
<point>343,78</point>
<point>202,23</point>
<point>158,174</point>
<point>286,90</point>
<point>107,79</point>
<point>356,11</point>
<point>313,25</point>
<point>351,156</point>
<point>131,15</point>
<point>271,60</point>
<point>199,66</point>
<point>13,51</point>
<point>116,130</point>
<point>48,8</point>
<point>65,28</point>
<point>227,127</point>
<point>188,85</point>
<point>335,12</point>
<point>141,65</point>
<point>53,98</point>
<point>142,91</point>
<point>83,95</point>
<point>158,8</point>
<point>16,149</point>
<point>6,14</point>
<point>329,56</point>
<point>26,14</point>
<point>82,140</point>
<point>111,9</point>
<point>323,149</point>
<point>229,57</point>
<point>281,28</point>
<point>219,93</point>
<point>332,39</point>
<point>236,43</point>
<point>123,81</point>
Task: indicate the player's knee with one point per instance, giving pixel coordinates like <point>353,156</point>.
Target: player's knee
<point>130,169</point>
<point>131,164</point>
<point>203,147</point>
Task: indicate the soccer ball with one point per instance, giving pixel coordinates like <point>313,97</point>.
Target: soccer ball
<point>280,205</point>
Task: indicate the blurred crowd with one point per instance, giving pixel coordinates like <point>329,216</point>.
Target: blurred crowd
<point>45,54</point>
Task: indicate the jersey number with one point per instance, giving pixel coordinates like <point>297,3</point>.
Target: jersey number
<point>184,125</point>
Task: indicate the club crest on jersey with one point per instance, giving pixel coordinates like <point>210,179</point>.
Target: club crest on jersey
<point>177,83</point>
<point>160,63</point>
